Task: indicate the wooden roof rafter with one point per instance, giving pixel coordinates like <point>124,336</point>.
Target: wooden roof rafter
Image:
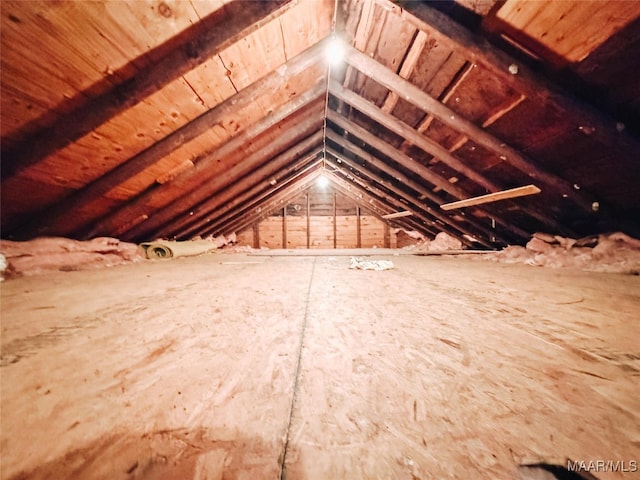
<point>432,106</point>
<point>266,175</point>
<point>430,146</point>
<point>199,184</point>
<point>414,166</point>
<point>424,211</point>
<point>234,208</point>
<point>365,198</point>
<point>181,54</point>
<point>264,205</point>
<point>51,218</point>
<point>401,201</point>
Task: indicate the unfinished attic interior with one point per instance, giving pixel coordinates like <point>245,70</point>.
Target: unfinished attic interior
<point>313,239</point>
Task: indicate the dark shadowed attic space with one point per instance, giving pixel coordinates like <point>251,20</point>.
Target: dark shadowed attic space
<point>320,239</point>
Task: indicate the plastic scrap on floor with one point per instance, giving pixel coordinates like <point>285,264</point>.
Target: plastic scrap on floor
<point>362,264</point>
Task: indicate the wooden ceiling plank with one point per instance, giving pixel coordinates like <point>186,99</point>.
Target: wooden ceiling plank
<point>406,70</point>
<point>197,176</point>
<point>230,202</point>
<point>532,85</point>
<point>194,211</point>
<point>189,53</point>
<point>410,134</point>
<point>416,206</point>
<point>51,218</point>
<point>420,99</point>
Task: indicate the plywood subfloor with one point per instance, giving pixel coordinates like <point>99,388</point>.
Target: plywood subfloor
<point>212,367</point>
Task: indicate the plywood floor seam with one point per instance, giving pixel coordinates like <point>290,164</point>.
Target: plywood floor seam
<point>303,330</point>
<point>222,367</point>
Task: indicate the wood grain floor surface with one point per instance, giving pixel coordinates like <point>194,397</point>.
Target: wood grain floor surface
<point>237,366</point>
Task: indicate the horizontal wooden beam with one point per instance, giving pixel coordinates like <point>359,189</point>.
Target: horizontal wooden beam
<point>51,219</point>
<point>191,48</point>
<point>198,178</point>
<point>493,197</point>
<point>409,92</point>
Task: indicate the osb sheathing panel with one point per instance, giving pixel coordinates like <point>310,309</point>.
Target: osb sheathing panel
<point>571,29</point>
<point>175,105</point>
<point>228,127</point>
<point>67,48</point>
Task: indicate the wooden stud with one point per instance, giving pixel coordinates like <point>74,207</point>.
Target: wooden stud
<point>308,222</point>
<point>335,226</point>
<point>359,231</point>
<point>284,227</point>
<point>256,235</point>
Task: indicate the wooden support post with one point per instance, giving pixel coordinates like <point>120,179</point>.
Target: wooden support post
<point>387,235</point>
<point>335,224</point>
<point>256,235</point>
<point>284,227</point>
<point>358,231</point>
<point>308,221</point>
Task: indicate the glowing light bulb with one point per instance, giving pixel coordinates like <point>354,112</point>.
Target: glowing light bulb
<point>335,51</point>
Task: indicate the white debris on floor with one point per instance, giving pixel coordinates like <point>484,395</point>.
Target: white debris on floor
<point>359,263</point>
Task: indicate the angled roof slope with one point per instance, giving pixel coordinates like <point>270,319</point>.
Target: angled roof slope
<point>175,119</point>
